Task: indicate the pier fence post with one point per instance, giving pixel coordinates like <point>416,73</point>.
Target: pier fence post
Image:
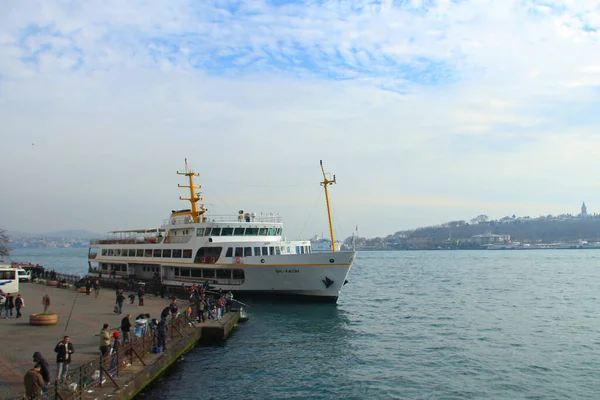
<point>81,391</point>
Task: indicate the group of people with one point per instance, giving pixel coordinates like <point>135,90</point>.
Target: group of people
<point>120,298</point>
<point>37,379</point>
<point>89,285</point>
<point>10,303</point>
<point>204,308</point>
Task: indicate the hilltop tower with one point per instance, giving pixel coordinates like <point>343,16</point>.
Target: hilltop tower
<point>584,210</point>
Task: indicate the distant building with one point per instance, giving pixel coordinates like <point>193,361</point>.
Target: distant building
<point>489,238</point>
<point>584,210</point>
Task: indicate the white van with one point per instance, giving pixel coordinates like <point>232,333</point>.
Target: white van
<point>24,276</point>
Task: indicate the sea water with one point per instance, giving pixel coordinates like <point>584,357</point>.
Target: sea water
<point>411,325</point>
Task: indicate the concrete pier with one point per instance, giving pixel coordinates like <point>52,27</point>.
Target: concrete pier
<point>87,315</point>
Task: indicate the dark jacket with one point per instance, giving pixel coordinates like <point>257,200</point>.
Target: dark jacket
<point>45,370</point>
<point>9,303</point>
<point>162,328</point>
<point>125,325</point>
<point>19,302</point>
<point>61,352</point>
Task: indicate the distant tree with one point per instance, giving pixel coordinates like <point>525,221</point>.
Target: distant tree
<point>4,240</point>
<point>480,218</point>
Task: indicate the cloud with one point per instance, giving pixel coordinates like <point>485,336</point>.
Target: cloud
<point>488,102</point>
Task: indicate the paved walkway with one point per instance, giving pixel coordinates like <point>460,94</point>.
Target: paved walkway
<point>20,340</point>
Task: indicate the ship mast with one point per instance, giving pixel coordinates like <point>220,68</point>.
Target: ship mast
<point>194,196</point>
<point>325,183</point>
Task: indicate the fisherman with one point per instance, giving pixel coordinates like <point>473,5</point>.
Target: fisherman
<point>126,328</point>
<point>34,383</point>
<point>44,369</point>
<point>162,334</point>
<point>104,340</point>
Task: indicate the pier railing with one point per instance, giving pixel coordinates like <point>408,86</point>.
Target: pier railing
<point>105,370</point>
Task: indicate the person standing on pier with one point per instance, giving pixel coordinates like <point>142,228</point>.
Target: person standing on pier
<point>88,287</point>
<point>97,287</point>
<point>104,340</point>
<point>44,369</point>
<point>19,303</point>
<point>219,308</point>
<point>120,300</point>
<point>64,350</point>
<point>161,329</point>
<point>46,302</point>
<point>174,307</point>
<point>126,328</point>
<point>141,293</point>
<point>9,304</point>
<point>33,383</point>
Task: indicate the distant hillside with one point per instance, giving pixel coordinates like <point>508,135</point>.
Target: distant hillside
<point>457,234</point>
<point>68,234</point>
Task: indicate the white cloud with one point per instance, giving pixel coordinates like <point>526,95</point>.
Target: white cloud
<point>429,114</point>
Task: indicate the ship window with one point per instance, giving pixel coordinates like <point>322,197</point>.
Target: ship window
<point>207,232</point>
<point>117,252</point>
<point>215,232</point>
<point>238,274</point>
<point>104,267</point>
<point>139,253</point>
<point>229,252</point>
<point>271,250</point>
<point>166,253</point>
<point>110,252</point>
<point>176,253</point>
<point>200,232</point>
<point>271,231</point>
<point>124,252</point>
<point>223,274</point>
<point>251,231</point>
<point>196,273</point>
<point>257,251</point>
<point>289,250</point>
<point>208,273</point>
<point>239,231</point>
<point>265,251</point>
<point>210,254</point>
<point>247,251</point>
<point>176,271</point>
<point>104,252</point>
<point>157,252</point>
<point>187,253</point>
<point>239,251</point>
<point>227,232</point>
<point>148,253</point>
<point>263,231</point>
<point>297,249</point>
<point>185,272</point>
<point>277,250</point>
<point>131,252</point>
<point>279,231</point>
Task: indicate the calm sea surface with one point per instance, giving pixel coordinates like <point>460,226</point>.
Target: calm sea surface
<point>432,325</point>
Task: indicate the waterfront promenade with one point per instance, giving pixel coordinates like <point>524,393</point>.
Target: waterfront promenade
<point>89,313</point>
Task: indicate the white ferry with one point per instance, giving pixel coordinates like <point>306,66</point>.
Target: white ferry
<point>244,253</point>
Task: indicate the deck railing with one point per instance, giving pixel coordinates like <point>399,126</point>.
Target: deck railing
<point>102,371</point>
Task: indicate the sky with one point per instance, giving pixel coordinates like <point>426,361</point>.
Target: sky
<point>426,111</point>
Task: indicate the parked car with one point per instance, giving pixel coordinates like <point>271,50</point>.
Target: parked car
<point>24,276</point>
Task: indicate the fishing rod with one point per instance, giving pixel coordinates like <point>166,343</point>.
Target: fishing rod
<point>72,307</point>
